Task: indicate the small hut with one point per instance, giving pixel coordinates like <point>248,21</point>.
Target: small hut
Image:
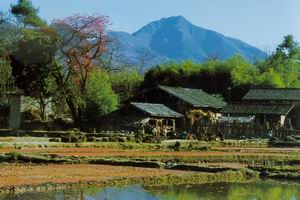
<point>273,96</point>
<point>144,116</point>
<point>262,113</point>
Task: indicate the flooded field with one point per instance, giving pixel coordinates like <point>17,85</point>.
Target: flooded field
<point>259,190</point>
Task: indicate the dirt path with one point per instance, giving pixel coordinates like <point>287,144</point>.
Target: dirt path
<point>14,175</point>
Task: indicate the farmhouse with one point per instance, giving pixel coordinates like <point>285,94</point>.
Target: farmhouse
<point>275,106</point>
<point>273,114</point>
<point>186,101</point>
<point>144,116</point>
<point>289,96</point>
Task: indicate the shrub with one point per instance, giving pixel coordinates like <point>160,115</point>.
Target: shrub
<point>152,139</point>
<point>54,140</point>
<point>113,139</point>
<point>177,146</point>
<point>91,139</point>
<point>138,140</point>
<point>14,155</point>
<point>204,148</point>
<point>130,138</point>
<point>121,139</point>
<point>31,115</point>
<point>74,137</point>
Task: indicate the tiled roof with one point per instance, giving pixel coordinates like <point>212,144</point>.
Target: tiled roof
<point>273,94</point>
<point>256,108</point>
<point>156,110</point>
<point>195,97</point>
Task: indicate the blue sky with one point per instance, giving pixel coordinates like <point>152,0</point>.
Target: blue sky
<point>262,23</point>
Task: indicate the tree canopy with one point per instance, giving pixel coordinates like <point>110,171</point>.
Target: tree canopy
<point>30,62</point>
<point>27,14</point>
<point>100,99</point>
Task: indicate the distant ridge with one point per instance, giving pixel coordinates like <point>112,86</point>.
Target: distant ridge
<point>175,38</point>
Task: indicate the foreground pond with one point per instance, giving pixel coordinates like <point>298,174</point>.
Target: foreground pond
<point>262,190</point>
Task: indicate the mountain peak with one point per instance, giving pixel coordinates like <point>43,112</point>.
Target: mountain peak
<point>178,18</point>
<point>172,24</point>
<point>175,38</point>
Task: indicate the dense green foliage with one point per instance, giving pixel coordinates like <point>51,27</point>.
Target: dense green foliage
<point>100,99</point>
<point>31,54</point>
<point>125,83</point>
<point>26,14</point>
<point>30,62</point>
<point>213,76</point>
<point>281,69</point>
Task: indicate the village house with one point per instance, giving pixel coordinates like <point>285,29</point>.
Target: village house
<point>273,114</point>
<point>186,101</point>
<point>143,116</point>
<point>277,107</point>
<point>170,109</point>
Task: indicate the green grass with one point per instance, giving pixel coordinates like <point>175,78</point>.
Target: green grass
<point>30,142</point>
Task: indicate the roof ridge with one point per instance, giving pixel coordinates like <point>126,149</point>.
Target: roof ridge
<point>153,109</point>
<point>195,97</point>
<point>257,109</point>
<point>146,103</point>
<point>199,89</point>
<point>274,89</point>
<point>257,103</point>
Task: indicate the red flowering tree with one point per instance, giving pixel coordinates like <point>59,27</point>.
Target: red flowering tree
<point>82,40</point>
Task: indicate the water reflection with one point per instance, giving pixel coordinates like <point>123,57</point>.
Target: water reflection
<point>261,190</point>
<point>230,191</point>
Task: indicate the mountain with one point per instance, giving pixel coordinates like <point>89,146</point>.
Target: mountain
<point>175,38</point>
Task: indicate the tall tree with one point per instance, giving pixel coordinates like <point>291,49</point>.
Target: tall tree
<point>81,40</point>
<point>31,66</point>
<point>32,49</point>
<point>99,99</point>
<point>282,68</point>
<point>288,49</point>
<point>27,14</point>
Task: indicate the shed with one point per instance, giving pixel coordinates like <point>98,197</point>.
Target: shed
<point>273,113</point>
<point>278,95</point>
<point>142,116</point>
<point>161,119</point>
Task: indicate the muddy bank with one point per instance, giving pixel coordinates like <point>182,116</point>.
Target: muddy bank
<point>56,177</point>
<point>287,172</point>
